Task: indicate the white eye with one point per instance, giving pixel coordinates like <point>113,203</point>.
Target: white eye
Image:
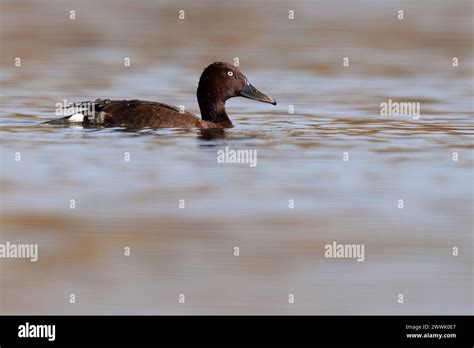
<point>230,73</point>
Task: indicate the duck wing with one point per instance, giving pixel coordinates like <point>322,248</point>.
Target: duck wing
<point>131,114</point>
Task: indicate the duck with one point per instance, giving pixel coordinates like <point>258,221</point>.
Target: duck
<point>218,82</point>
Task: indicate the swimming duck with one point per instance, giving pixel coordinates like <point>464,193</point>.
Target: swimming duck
<point>219,82</point>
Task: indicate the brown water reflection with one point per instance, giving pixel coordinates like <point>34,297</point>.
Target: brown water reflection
<point>300,157</point>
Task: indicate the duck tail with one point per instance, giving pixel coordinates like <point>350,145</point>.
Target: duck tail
<point>76,118</point>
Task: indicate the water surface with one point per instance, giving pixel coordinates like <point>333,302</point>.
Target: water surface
<point>300,157</point>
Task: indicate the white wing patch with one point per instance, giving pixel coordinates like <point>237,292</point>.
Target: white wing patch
<point>76,118</point>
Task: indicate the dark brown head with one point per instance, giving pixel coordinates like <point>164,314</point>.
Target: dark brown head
<point>219,82</point>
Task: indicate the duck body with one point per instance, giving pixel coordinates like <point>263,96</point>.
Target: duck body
<point>218,82</point>
<point>134,114</point>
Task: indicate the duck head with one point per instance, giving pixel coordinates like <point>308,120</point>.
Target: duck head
<point>219,82</point>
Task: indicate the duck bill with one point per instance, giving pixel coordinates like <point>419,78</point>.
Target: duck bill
<point>251,92</point>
